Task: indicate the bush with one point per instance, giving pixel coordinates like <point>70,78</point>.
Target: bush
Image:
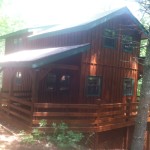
<point>63,137</point>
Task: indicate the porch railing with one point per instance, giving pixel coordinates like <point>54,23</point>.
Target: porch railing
<point>85,117</point>
<point>18,107</point>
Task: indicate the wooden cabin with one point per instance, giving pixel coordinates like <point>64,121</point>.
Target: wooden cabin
<point>85,75</point>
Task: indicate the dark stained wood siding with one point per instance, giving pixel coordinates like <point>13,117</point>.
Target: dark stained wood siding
<point>113,65</point>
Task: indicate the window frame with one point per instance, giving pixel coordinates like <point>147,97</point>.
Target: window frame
<point>99,86</point>
<point>132,87</point>
<point>127,36</point>
<point>18,78</point>
<point>51,85</point>
<point>64,85</point>
<point>109,38</point>
<point>58,84</point>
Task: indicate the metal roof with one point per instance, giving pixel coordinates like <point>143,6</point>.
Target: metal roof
<point>33,30</point>
<point>40,57</point>
<point>50,30</point>
<point>91,23</point>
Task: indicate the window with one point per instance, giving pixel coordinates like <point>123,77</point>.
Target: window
<point>18,78</point>
<point>51,82</point>
<point>127,43</point>
<point>58,82</point>
<point>93,87</point>
<point>17,41</point>
<point>109,38</point>
<point>128,86</point>
<point>64,83</point>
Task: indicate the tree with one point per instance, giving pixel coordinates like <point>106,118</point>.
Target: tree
<point>7,24</point>
<point>141,120</point>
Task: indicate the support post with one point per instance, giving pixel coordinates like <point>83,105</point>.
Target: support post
<point>128,109</point>
<point>35,87</point>
<point>148,137</point>
<point>10,89</point>
<point>98,102</point>
<point>127,138</point>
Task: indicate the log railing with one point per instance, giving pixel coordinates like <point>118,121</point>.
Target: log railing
<point>87,117</point>
<point>18,107</point>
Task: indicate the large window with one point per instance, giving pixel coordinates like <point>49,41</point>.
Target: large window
<point>51,82</point>
<point>127,43</point>
<point>109,38</point>
<point>18,78</point>
<point>58,82</point>
<point>64,83</point>
<point>128,86</point>
<point>93,86</point>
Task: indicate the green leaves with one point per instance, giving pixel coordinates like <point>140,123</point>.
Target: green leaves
<point>63,137</point>
<point>9,23</point>
<point>42,123</point>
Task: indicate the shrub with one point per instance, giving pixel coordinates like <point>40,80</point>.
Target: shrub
<point>63,137</point>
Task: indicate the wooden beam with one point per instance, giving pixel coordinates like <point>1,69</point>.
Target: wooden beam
<point>35,85</point>
<point>11,82</point>
<point>64,114</point>
<point>71,106</point>
<point>20,101</point>
<point>56,66</point>
<point>62,66</point>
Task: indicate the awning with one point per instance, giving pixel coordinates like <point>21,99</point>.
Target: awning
<point>40,57</point>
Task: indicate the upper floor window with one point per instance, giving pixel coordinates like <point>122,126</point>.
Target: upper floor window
<point>93,86</point>
<point>17,41</point>
<point>128,86</point>
<point>127,43</point>
<point>18,78</point>
<point>109,38</point>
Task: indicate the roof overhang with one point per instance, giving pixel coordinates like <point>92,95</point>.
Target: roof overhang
<point>40,57</point>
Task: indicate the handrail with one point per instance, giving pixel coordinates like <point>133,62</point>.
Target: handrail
<point>91,115</point>
<point>18,107</point>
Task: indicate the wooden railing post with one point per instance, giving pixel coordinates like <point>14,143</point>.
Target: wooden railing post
<point>128,108</point>
<point>35,87</point>
<point>10,88</point>
<point>98,102</point>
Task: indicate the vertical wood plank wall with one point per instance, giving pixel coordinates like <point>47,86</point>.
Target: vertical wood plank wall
<point>111,64</point>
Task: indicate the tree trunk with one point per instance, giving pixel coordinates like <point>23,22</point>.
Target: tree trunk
<point>141,120</point>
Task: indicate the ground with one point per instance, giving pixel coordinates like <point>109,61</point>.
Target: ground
<point>10,139</point>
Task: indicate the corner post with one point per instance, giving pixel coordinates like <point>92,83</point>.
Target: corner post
<point>128,109</point>
<point>35,87</point>
<point>98,102</point>
<point>10,94</point>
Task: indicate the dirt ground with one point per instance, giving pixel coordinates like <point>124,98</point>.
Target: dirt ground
<point>10,139</point>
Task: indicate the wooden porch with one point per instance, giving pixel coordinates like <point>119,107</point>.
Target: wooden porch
<point>82,117</point>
